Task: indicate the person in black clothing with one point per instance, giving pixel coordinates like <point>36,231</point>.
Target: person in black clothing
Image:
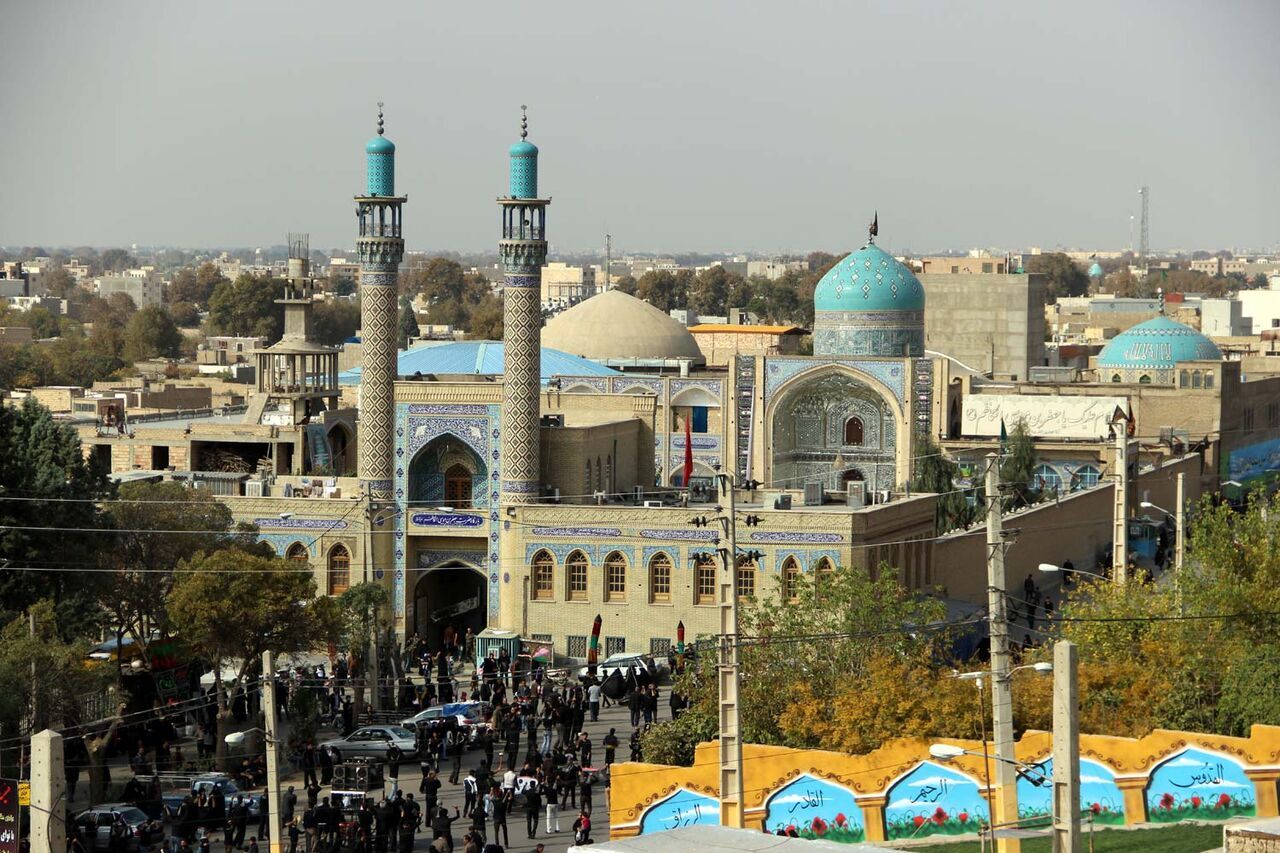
<point>309,765</point>
<point>479,819</point>
<point>394,756</point>
<point>326,767</point>
<point>430,790</point>
<point>442,825</point>
<point>532,809</point>
<point>584,794</point>
<point>610,746</point>
<point>311,827</point>
<point>239,821</point>
<point>288,803</point>
<point>457,765</point>
<point>499,801</point>
<point>384,818</point>
<point>364,818</point>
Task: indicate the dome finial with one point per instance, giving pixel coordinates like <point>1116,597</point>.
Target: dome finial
<point>379,118</point>
<point>874,228</point>
<point>524,121</point>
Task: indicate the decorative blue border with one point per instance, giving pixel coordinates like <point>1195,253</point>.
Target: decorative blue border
<point>445,519</point>
<point>783,536</point>
<point>779,371</point>
<point>299,524</point>
<point>576,531</point>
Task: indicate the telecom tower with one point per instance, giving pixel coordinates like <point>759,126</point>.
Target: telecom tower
<point>524,251</point>
<point>381,248</point>
<point>1144,245</point>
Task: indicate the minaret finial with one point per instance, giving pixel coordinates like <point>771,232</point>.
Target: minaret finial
<point>379,118</point>
<point>874,228</point>
<point>524,121</point>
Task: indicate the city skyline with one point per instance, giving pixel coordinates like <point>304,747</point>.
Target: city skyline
<point>963,127</point>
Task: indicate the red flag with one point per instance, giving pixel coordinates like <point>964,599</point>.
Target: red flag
<point>688,449</point>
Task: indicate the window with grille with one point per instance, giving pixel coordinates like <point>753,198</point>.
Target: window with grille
<point>746,578</point>
<point>540,638</point>
<point>575,645</point>
<point>659,645</point>
<point>822,573</point>
<point>660,578</point>
<point>297,552</point>
<point>576,571</point>
<point>543,577</point>
<point>704,580</point>
<point>339,570</point>
<point>615,645</point>
<point>790,579</point>
<point>615,577</point>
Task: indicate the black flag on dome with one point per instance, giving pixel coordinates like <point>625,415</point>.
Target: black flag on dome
<point>874,230</point>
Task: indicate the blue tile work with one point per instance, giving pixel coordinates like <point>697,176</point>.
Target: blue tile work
<point>807,558</point>
<point>622,384</point>
<point>714,387</point>
<point>588,383</point>
<point>786,536</point>
<point>431,559</point>
<point>381,173</point>
<point>778,371</point>
<point>282,542</point>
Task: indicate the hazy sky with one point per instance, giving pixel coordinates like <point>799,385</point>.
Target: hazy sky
<point>681,125</point>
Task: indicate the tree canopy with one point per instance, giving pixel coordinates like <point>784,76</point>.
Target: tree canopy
<point>1063,276</point>
<point>246,307</point>
<point>151,333</point>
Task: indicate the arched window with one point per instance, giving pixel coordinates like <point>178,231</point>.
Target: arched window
<point>457,487</point>
<point>543,571</point>
<point>1045,478</point>
<point>1197,379</point>
<point>746,578</point>
<point>297,552</point>
<point>576,577</point>
<point>1184,379</point>
<point>1086,477</point>
<point>822,573</point>
<point>1208,379</point>
<point>339,570</point>
<point>1115,377</point>
<point>1144,379</point>
<point>615,577</point>
<point>704,579</point>
<point>853,432</point>
<point>790,579</point>
<point>660,578</point>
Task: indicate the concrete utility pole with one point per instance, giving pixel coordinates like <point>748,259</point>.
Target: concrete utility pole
<point>1066,750</point>
<point>1120,517</point>
<point>274,826</point>
<point>1180,540</point>
<point>1001,679</point>
<point>48,793</point>
<point>730,724</point>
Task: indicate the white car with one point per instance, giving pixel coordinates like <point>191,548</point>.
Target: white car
<point>373,742</point>
<point>623,661</point>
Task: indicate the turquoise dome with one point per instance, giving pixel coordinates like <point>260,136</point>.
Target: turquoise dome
<point>1157,344</point>
<point>869,279</point>
<point>523,148</point>
<point>380,145</point>
<point>1095,271</point>
<point>524,169</point>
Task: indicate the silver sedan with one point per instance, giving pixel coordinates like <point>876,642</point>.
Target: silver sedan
<point>373,742</point>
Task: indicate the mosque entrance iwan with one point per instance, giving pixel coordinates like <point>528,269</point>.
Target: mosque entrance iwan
<point>449,595</point>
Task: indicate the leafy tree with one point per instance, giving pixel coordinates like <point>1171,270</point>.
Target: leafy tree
<point>451,293</point>
<point>936,473</point>
<point>1017,467</point>
<point>361,606</point>
<point>42,461</point>
<point>116,260</point>
<point>184,314</point>
<point>151,333</point>
<point>335,320</point>
<point>714,289</point>
<point>486,319</point>
<point>194,285</point>
<point>43,323</point>
<point>664,289</point>
<point>60,283</point>
<point>246,307</point>
<point>626,284</point>
<point>342,285</point>
<point>231,607</point>
<point>115,310</point>
<point>408,322</point>
<point>1063,276</point>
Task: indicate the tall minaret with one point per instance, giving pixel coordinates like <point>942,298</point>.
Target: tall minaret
<point>524,250</point>
<point>381,247</point>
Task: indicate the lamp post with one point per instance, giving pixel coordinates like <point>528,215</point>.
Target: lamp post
<point>1180,540</point>
<point>1051,568</point>
<point>274,827</point>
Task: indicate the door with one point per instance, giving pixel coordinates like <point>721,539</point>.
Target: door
<point>457,487</point>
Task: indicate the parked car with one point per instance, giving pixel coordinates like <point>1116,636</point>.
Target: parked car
<point>206,783</point>
<point>461,721</point>
<point>373,742</point>
<point>624,661</point>
<point>94,825</point>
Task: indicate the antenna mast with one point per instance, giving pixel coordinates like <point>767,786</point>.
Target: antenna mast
<point>1144,245</point>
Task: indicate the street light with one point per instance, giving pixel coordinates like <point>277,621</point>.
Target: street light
<point>1050,568</point>
<point>238,738</point>
<point>948,752</point>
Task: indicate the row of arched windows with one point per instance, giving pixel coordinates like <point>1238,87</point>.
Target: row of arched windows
<point>338,574</point>
<point>1195,378</point>
<point>1045,478</point>
<point>577,572</point>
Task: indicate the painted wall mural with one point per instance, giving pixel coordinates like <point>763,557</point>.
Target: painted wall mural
<point>1099,793</point>
<point>683,808</point>
<point>1255,461</point>
<point>815,808</point>
<point>1199,785</point>
<point>934,800</point>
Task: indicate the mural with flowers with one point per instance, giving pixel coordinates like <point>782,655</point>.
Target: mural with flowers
<point>1100,796</point>
<point>815,808</point>
<point>934,800</point>
<point>1199,785</point>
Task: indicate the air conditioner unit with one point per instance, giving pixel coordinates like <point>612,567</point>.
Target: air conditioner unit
<point>199,484</point>
<point>653,504</point>
<point>813,494</point>
<point>782,501</point>
<point>255,489</point>
<point>856,496</point>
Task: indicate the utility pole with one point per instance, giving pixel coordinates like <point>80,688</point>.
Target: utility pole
<point>608,253</point>
<point>1066,750</point>
<point>1180,518</point>
<point>274,826</point>
<point>730,723</point>
<point>1120,515</point>
<point>1144,245</point>
<point>48,793</point>
<point>1001,678</point>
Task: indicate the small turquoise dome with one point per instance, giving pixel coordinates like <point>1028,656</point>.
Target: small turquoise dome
<point>1156,345</point>
<point>869,279</point>
<point>1095,271</point>
<point>380,145</point>
<point>524,169</point>
<point>523,148</point>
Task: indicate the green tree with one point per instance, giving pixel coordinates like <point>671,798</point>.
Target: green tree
<point>151,333</point>
<point>246,307</point>
<point>231,607</point>
<point>184,314</point>
<point>60,283</point>
<point>52,521</point>
<point>194,285</point>
<point>341,285</point>
<point>335,320</point>
<point>361,605</point>
<point>43,323</point>
<point>486,322</point>
<point>1063,276</point>
<point>626,284</point>
<point>1017,467</point>
<point>936,473</point>
<point>408,322</point>
<point>714,289</point>
<point>116,260</point>
<point>664,289</point>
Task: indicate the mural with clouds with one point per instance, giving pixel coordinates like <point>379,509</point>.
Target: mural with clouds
<point>815,808</point>
<point>1099,793</point>
<point>934,800</point>
<point>683,808</point>
<point>1197,784</point>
